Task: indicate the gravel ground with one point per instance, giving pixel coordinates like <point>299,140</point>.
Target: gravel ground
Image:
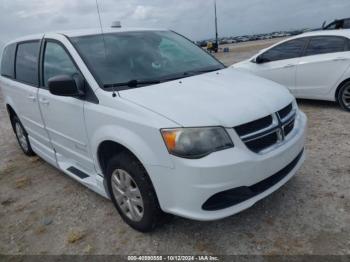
<point>42,211</point>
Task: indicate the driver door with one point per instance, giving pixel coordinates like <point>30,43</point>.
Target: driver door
<point>64,115</point>
<point>279,63</point>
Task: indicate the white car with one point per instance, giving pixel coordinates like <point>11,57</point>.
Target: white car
<point>313,65</point>
<point>150,120</point>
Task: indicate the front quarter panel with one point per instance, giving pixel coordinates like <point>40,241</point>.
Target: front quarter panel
<point>130,125</point>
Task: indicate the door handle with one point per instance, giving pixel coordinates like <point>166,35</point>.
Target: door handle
<point>44,101</point>
<point>289,66</point>
<point>340,59</point>
<point>32,98</point>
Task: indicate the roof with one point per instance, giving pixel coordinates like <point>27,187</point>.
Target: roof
<point>339,32</point>
<point>83,32</point>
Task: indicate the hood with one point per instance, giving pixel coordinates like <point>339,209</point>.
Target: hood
<point>224,98</point>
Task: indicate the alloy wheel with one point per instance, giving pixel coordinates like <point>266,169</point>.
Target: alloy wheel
<point>127,195</point>
<point>346,96</point>
<point>22,139</point>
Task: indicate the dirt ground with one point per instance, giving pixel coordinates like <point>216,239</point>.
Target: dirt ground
<point>42,211</point>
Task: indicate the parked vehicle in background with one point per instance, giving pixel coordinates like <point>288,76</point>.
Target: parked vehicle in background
<point>314,65</point>
<point>153,122</point>
<point>337,24</point>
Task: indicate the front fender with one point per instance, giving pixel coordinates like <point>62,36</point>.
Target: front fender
<point>149,152</point>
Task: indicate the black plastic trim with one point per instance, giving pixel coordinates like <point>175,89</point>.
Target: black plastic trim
<point>77,172</point>
<point>238,195</point>
<point>251,127</point>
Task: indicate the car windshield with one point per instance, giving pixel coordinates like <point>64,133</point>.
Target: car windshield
<point>142,57</point>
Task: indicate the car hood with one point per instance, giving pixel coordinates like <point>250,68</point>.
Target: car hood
<point>245,64</point>
<point>226,98</point>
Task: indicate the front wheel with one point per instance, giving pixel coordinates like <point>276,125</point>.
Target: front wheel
<point>344,96</point>
<point>22,137</point>
<point>132,193</point>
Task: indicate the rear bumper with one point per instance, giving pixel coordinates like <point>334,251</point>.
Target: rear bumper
<point>185,190</point>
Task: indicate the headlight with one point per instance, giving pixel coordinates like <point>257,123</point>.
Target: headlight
<point>196,142</point>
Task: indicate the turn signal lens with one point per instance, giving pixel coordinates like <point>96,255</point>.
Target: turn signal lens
<point>170,138</point>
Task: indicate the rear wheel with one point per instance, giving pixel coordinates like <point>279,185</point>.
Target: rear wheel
<point>344,96</point>
<point>132,193</point>
<point>22,137</point>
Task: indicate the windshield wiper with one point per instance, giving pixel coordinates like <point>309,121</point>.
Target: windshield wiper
<point>196,72</point>
<point>132,83</point>
<point>136,83</point>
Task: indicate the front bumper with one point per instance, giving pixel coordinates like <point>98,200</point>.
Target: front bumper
<point>185,189</point>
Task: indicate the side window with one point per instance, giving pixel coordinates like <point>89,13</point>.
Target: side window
<point>286,50</point>
<point>57,62</point>
<point>331,26</point>
<point>325,45</point>
<point>346,24</point>
<point>27,62</point>
<point>8,61</point>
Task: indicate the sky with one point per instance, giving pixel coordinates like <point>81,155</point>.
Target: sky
<point>192,18</point>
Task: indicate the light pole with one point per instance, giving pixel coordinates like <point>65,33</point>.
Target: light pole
<point>216,47</point>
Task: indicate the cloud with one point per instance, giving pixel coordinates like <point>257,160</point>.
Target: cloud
<point>194,19</point>
<point>142,12</point>
<point>60,20</point>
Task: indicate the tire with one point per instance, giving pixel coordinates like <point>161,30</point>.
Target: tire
<point>344,96</point>
<point>118,168</point>
<point>22,137</point>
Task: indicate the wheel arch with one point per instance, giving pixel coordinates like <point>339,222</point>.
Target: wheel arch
<point>339,87</point>
<point>108,149</point>
<point>11,112</point>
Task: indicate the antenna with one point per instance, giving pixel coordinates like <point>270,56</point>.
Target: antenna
<point>104,41</point>
<point>216,29</point>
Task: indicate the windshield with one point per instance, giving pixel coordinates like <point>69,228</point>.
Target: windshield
<point>142,57</point>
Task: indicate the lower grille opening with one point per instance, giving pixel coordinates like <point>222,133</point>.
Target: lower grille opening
<point>238,195</point>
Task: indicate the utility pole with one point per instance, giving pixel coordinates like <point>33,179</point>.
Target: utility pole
<point>216,30</point>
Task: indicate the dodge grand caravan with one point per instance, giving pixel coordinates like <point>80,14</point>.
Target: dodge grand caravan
<point>148,119</point>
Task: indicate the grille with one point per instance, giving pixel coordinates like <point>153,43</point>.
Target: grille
<point>265,132</point>
<point>260,144</point>
<point>288,128</point>
<point>251,126</point>
<point>285,111</point>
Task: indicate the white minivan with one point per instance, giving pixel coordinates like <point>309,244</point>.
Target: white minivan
<point>148,119</point>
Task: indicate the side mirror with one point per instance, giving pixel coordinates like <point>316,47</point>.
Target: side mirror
<point>324,24</point>
<point>260,59</point>
<point>65,85</point>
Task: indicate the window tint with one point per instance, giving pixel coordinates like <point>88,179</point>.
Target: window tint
<point>287,50</point>
<point>346,24</point>
<point>8,61</point>
<point>27,62</point>
<point>333,25</point>
<point>57,62</point>
<point>326,44</point>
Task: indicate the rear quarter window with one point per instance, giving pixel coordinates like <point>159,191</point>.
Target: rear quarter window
<point>326,45</point>
<point>27,62</point>
<point>8,61</point>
